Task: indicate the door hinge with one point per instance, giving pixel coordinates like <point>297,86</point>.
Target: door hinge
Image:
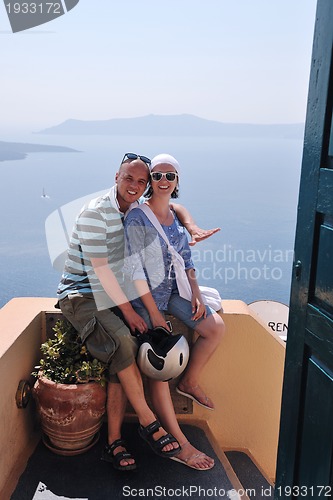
<point>298,269</point>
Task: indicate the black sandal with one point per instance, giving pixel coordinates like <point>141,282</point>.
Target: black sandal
<point>147,435</point>
<point>108,455</point>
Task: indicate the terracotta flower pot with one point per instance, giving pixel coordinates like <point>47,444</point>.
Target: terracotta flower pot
<point>71,415</point>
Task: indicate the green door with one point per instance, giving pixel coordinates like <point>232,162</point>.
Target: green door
<point>306,434</point>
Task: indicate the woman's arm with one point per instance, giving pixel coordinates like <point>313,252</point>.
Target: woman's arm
<point>197,234</point>
<point>198,306</point>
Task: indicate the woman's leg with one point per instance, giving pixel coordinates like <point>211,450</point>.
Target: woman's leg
<point>164,409</point>
<point>210,331</point>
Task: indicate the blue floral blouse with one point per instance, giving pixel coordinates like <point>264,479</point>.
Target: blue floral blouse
<point>147,257</point>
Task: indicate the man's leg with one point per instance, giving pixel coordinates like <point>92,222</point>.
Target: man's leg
<point>123,364</point>
<point>115,409</point>
<point>131,381</point>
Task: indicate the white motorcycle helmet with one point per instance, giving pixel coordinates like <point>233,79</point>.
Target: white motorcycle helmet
<point>162,356</point>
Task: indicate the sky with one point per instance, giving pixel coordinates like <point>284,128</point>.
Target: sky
<point>236,61</point>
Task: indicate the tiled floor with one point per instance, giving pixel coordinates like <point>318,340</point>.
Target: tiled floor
<point>86,476</point>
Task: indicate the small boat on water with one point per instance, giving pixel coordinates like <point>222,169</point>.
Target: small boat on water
<point>44,195</point>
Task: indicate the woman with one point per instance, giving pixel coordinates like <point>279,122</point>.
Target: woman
<point>155,291</point>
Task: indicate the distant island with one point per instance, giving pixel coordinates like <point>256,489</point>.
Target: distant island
<point>19,151</point>
<point>174,125</point>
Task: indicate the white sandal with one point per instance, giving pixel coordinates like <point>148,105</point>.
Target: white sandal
<point>196,400</point>
<point>186,461</point>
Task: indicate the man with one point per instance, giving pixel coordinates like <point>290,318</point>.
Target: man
<point>91,298</point>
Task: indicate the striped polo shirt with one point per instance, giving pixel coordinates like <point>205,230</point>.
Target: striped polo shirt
<point>98,233</point>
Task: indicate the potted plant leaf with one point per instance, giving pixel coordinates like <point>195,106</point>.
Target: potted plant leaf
<point>70,392</point>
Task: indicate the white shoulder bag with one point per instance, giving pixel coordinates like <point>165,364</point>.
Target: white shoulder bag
<point>210,296</point>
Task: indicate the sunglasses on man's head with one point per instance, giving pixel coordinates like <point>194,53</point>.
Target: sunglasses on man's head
<point>133,156</point>
<point>157,176</point>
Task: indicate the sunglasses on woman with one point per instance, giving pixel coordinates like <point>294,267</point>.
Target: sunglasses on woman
<point>157,176</point>
<point>133,156</point>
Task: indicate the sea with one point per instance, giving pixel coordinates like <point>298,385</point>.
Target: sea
<point>246,186</point>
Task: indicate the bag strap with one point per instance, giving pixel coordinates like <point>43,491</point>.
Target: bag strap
<point>156,223</point>
<point>177,260</point>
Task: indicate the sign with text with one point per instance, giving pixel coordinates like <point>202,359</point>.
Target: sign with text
<point>273,314</point>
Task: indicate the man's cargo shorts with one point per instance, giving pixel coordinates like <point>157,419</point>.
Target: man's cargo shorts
<point>104,333</point>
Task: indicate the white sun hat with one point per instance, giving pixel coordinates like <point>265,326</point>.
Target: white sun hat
<point>165,158</point>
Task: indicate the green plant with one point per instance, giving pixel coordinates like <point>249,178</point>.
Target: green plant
<point>66,360</point>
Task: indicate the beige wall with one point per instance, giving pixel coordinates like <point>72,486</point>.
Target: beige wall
<point>244,378</point>
<point>21,325</point>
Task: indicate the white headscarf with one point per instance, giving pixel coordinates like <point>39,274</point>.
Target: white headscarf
<point>165,158</point>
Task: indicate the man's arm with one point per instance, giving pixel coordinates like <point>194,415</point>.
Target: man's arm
<point>111,286</point>
<point>156,317</point>
<point>197,234</point>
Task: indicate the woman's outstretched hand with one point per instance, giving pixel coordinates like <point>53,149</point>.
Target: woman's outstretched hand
<point>198,234</point>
